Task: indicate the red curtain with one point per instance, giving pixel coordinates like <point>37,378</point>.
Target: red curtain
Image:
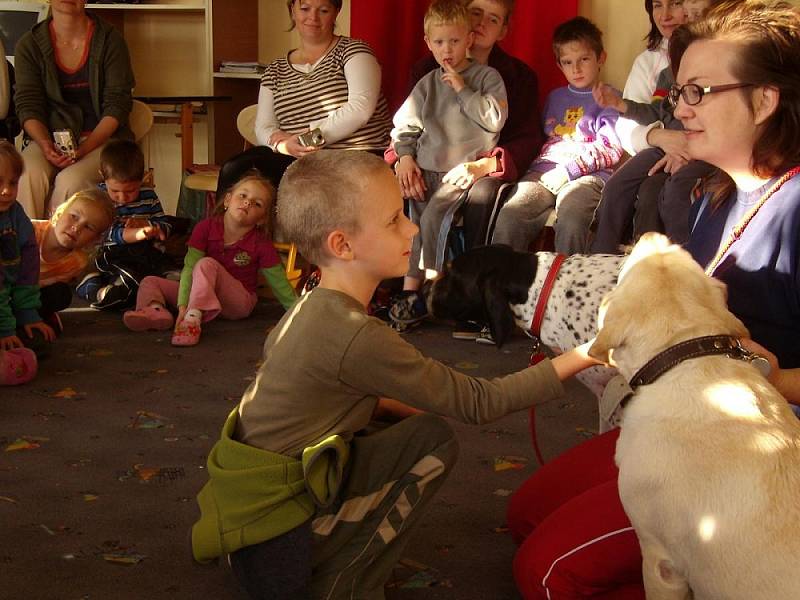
<point>395,34</point>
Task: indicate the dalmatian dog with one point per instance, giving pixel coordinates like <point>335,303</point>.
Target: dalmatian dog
<point>498,285</point>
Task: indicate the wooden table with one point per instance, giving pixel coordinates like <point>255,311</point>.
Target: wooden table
<point>186,119</point>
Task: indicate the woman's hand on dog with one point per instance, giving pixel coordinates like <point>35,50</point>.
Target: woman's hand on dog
<point>786,381</point>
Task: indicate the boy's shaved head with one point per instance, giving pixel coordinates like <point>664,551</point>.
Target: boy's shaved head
<point>323,192</point>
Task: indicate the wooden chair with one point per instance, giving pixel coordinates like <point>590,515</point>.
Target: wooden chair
<point>140,122</point>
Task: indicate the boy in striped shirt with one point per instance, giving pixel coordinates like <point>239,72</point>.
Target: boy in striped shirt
<point>130,251</point>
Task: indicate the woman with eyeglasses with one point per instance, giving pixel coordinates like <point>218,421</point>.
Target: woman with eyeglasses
<point>738,97</point>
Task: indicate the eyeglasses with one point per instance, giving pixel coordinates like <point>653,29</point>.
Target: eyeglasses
<point>692,93</point>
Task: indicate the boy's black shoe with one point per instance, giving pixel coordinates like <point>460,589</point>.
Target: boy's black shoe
<point>112,296</point>
<point>467,330</point>
<point>89,286</point>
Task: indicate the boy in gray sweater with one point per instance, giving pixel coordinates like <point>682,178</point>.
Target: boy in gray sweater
<point>453,116</point>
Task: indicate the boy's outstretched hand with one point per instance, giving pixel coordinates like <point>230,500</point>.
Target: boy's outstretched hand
<point>452,78</point>
<point>607,97</point>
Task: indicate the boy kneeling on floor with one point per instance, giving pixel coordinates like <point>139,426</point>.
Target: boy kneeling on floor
<point>307,504</point>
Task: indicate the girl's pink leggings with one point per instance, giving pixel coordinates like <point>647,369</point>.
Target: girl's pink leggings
<point>214,291</point>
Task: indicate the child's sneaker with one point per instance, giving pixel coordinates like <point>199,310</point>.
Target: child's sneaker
<point>112,296</point>
<point>151,318</point>
<point>408,309</point>
<point>17,365</point>
<point>485,337</point>
<point>187,333</point>
<point>467,330</point>
<point>89,286</point>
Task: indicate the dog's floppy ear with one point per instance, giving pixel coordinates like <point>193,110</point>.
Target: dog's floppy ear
<point>498,312</point>
<point>611,334</point>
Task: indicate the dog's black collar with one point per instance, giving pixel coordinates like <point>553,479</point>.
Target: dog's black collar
<point>709,345</point>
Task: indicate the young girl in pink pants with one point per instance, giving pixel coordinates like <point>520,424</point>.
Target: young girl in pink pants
<point>220,272</point>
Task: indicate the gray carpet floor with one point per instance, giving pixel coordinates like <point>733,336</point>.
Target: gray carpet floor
<point>102,454</point>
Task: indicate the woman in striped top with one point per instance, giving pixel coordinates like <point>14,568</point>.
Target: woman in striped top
<point>329,82</point>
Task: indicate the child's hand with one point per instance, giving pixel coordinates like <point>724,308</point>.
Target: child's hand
<point>452,78</point>
<point>9,342</point>
<point>555,179</point>
<point>464,175</point>
<point>607,97</point>
<point>149,232</point>
<point>669,163</point>
<point>43,328</point>
<point>409,176</point>
<point>136,222</point>
<point>670,141</point>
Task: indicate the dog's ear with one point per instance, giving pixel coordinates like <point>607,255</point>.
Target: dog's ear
<point>498,312</point>
<point>611,334</point>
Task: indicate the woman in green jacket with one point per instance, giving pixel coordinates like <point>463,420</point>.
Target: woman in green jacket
<point>73,73</point>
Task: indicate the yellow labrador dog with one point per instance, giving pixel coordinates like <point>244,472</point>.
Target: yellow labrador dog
<point>709,453</point>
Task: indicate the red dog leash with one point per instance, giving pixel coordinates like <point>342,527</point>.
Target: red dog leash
<point>536,330</point>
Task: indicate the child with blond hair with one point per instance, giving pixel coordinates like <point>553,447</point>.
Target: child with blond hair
<point>226,254</point>
<point>66,242</point>
<point>453,115</point>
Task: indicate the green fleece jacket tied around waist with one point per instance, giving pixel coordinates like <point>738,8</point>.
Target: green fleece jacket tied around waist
<point>254,495</point>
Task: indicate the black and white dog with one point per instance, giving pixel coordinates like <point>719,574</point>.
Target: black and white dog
<point>497,285</point>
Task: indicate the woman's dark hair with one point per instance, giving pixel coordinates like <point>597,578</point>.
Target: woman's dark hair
<point>767,34</point>
<point>337,4</point>
<point>654,37</point>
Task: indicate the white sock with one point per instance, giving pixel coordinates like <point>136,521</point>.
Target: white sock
<point>194,314</point>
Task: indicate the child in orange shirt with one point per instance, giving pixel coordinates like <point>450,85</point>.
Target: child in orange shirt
<point>65,244</point>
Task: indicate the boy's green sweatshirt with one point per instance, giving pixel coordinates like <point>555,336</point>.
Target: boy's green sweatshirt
<point>255,495</point>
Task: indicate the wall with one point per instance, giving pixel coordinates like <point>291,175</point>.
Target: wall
<point>624,24</point>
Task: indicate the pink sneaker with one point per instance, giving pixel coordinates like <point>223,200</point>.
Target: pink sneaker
<point>187,333</point>
<point>17,366</point>
<point>148,319</point>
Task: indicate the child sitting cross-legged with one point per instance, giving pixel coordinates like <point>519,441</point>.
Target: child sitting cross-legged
<point>130,251</point>
<point>452,118</point>
<point>220,273</point>
<point>578,156</point>
<point>308,501</point>
<point>65,243</point>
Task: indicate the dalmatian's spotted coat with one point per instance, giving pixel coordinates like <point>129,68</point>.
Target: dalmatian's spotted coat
<point>504,286</point>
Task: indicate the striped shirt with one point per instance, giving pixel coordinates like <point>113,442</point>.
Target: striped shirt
<point>146,207</point>
<point>300,98</point>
